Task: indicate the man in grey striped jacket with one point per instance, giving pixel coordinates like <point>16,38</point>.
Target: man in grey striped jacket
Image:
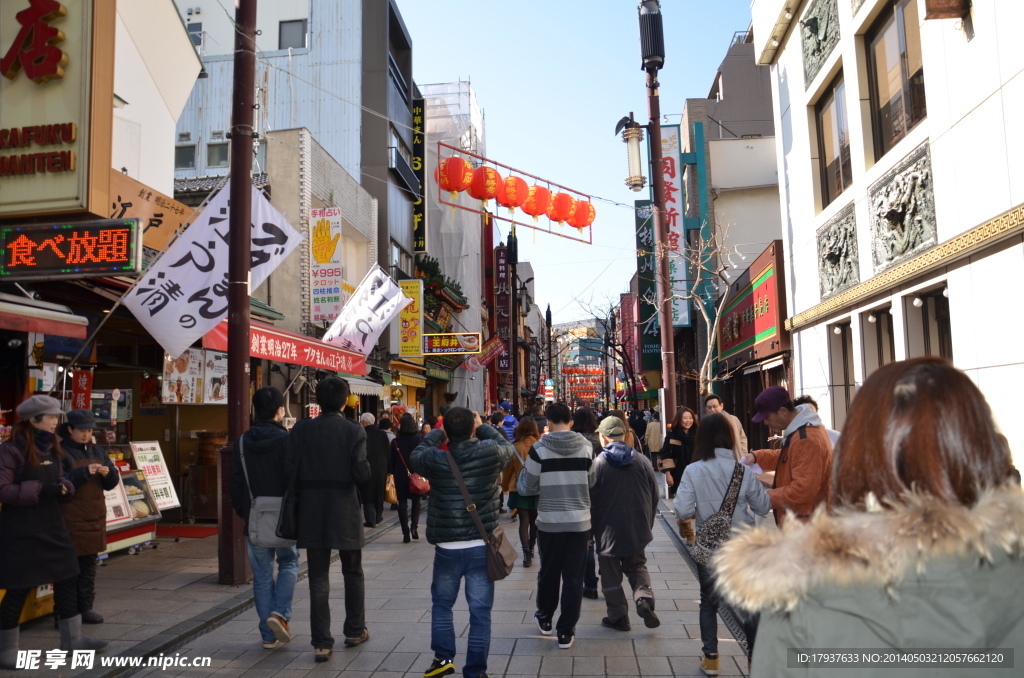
<point>559,468</point>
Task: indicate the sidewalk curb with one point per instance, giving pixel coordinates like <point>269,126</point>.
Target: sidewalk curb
<point>178,635</point>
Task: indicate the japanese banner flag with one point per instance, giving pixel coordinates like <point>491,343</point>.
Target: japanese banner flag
<point>376,302</point>
<point>184,295</point>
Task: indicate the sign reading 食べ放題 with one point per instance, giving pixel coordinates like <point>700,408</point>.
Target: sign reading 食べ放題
<point>83,249</point>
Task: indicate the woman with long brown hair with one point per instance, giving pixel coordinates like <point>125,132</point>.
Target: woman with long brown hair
<point>525,435</point>
<point>677,449</point>
<point>924,548</point>
<point>35,547</point>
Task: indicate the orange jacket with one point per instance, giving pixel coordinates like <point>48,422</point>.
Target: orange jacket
<point>511,473</point>
<point>803,472</point>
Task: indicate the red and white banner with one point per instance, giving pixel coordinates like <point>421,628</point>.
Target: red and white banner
<point>81,390</point>
<point>274,344</point>
<point>488,352</point>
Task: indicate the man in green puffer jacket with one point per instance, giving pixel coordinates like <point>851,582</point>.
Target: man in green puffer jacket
<point>481,453</point>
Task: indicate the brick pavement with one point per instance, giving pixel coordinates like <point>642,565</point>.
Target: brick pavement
<point>398,616</point>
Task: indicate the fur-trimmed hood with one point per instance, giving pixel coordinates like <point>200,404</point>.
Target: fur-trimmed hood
<point>762,569</point>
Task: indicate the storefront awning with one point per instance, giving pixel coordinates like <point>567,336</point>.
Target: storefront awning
<point>45,320</point>
<point>364,387</point>
<point>272,343</point>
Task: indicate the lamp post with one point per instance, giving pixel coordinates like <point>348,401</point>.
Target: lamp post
<point>513,260</point>
<point>551,363</point>
<point>652,52</point>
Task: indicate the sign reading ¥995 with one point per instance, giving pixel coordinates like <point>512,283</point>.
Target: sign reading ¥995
<point>77,250</point>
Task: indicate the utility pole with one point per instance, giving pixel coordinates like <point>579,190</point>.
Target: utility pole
<point>652,47</point>
<point>233,565</point>
<point>551,357</point>
<point>513,260</point>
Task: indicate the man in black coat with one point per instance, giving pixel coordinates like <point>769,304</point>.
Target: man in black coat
<point>268,464</point>
<point>378,452</point>
<point>330,463</point>
<point>481,454</point>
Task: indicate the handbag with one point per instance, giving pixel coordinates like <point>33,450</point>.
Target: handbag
<point>417,483</point>
<point>666,463</point>
<point>390,492</point>
<point>715,530</point>
<point>501,557</point>
<point>264,513</point>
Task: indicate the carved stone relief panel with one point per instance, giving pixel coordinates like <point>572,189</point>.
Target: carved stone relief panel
<point>903,210</point>
<point>857,4</point>
<point>838,263</point>
<point>819,35</point>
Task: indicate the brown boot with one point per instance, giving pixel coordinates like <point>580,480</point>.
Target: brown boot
<point>691,536</point>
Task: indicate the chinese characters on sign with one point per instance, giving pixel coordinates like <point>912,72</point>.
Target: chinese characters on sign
<point>272,345</point>
<point>184,295</point>
<point>419,162</point>
<point>503,307</point>
<point>150,460</point>
<point>672,203</point>
<point>47,251</point>
<point>34,49</point>
<point>376,302</point>
<point>81,390</point>
<point>646,267</point>
<point>411,320</point>
<point>159,217</point>
<point>451,344</point>
<point>326,264</point>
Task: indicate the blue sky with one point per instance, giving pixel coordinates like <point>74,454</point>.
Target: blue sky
<point>553,79</point>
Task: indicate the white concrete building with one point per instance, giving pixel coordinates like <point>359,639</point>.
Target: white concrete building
<point>902,190</point>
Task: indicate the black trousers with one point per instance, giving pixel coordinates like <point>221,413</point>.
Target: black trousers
<point>86,582</point>
<point>563,558</point>
<point>65,602</point>
<point>319,561</point>
<point>710,599</point>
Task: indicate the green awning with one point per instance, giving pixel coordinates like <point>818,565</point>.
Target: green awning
<point>257,307</point>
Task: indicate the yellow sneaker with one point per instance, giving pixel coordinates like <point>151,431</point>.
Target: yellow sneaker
<point>708,665</point>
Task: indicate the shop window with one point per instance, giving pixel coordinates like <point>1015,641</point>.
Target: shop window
<point>877,339</point>
<point>928,326</point>
<point>834,142</point>
<point>185,157</point>
<point>842,382</point>
<point>217,155</point>
<point>896,74</point>
<point>292,34</point>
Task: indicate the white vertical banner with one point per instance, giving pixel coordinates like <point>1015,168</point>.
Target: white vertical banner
<point>674,210</point>
<point>185,295</point>
<point>376,302</point>
<point>326,265</point>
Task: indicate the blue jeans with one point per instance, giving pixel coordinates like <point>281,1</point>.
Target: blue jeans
<point>450,567</point>
<point>273,596</point>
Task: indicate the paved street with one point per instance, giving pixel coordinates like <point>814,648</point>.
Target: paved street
<point>398,616</point>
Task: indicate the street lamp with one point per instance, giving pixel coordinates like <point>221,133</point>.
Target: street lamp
<point>632,135</point>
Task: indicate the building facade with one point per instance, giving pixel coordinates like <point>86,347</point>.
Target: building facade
<point>902,189</point>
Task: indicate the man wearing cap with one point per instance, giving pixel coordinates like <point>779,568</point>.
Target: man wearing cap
<point>92,473</point>
<point>803,465</point>
<point>510,423</point>
<point>624,502</point>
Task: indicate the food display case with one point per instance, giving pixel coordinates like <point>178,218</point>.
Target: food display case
<point>132,513</point>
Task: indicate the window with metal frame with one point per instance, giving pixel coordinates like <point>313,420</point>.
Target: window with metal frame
<point>292,34</point>
<point>896,74</point>
<point>217,155</point>
<point>834,141</point>
<point>185,157</point>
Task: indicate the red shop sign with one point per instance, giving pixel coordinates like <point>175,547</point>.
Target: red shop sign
<point>271,343</point>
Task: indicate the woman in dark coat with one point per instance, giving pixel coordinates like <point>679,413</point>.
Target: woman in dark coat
<point>378,452</point>
<point>92,473</point>
<point>35,547</point>
<point>678,446</point>
<point>401,448</point>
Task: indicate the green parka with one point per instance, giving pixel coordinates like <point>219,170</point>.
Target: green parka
<point>926,574</point>
<point>481,461</point>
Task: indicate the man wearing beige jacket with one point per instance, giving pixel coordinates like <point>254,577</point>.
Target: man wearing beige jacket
<point>713,404</point>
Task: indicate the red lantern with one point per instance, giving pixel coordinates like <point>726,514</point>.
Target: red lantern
<point>512,193</point>
<point>455,174</point>
<point>537,201</point>
<point>584,215</point>
<point>485,184</point>
<point>562,208</point>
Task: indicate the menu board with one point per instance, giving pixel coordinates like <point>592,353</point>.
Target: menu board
<point>118,510</point>
<point>183,378</point>
<point>149,459</point>
<point>140,497</point>
<point>215,378</point>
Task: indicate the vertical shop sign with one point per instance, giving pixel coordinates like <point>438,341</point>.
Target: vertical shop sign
<point>81,390</point>
<point>419,162</point>
<point>326,265</point>
<point>672,201</point>
<point>411,320</point>
<point>627,329</point>
<point>503,307</point>
<point>646,269</point>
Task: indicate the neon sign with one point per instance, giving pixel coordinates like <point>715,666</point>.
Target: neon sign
<point>76,250</point>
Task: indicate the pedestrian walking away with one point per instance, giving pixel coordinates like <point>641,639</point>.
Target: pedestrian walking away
<point>408,440</point>
<point>266,472</point>
<point>923,549</point>
<point>803,465</point>
<point>330,462</point>
<point>481,453</point>
<point>525,436</point>
<point>584,422</point>
<point>624,502</point>
<point>559,469</point>
<point>510,422</point>
<point>702,493</point>
<point>35,547</point>
<point>378,454</point>
<point>92,473</point>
